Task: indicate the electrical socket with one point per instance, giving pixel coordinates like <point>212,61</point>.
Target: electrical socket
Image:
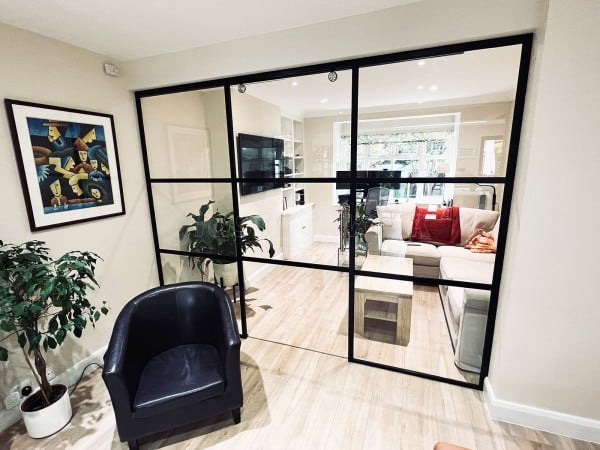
<point>13,398</point>
<point>50,373</point>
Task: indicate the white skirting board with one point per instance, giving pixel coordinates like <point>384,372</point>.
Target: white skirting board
<point>8,417</point>
<point>541,419</point>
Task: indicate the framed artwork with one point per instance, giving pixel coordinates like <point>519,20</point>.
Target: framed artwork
<point>68,164</point>
<point>189,154</point>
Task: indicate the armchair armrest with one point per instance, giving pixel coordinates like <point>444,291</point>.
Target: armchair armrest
<point>373,238</point>
<point>122,369</point>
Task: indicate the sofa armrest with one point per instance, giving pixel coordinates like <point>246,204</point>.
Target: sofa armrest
<point>476,299</point>
<point>373,238</point>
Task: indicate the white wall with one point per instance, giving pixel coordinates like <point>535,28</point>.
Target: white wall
<point>41,70</point>
<point>546,351</point>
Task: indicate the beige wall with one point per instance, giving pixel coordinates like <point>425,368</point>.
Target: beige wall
<point>41,70</point>
<point>254,116</point>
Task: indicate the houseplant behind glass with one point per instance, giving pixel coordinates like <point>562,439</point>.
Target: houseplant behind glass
<point>41,300</point>
<point>216,235</point>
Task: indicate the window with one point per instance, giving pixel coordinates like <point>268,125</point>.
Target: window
<point>418,146</point>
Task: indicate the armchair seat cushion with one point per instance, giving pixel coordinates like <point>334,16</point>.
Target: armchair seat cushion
<point>177,377</point>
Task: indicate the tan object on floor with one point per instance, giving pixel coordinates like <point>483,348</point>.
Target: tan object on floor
<point>394,297</point>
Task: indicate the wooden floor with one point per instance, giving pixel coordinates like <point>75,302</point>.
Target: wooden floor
<point>301,399</point>
<point>308,308</point>
<point>305,395</point>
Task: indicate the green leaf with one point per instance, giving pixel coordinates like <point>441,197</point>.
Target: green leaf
<point>22,339</point>
<point>51,342</point>
<point>77,332</point>
<point>53,325</point>
<point>7,326</point>
<point>96,316</point>
<point>104,310</point>
<point>60,336</point>
<point>3,354</point>
<point>45,344</point>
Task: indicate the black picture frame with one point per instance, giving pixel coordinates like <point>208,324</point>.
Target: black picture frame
<point>68,163</point>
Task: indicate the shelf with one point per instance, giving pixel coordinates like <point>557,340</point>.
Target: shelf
<point>381,311</point>
<point>292,133</point>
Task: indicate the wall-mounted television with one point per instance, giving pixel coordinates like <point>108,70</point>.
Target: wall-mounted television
<point>260,157</point>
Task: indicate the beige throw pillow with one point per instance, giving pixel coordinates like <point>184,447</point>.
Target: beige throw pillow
<point>396,220</point>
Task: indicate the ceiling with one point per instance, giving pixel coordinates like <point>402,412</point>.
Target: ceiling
<point>488,75</point>
<point>132,29</point>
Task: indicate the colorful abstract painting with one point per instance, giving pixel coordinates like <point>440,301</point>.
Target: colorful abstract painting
<point>68,163</point>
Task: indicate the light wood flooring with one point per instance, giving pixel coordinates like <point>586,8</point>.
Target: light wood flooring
<point>308,308</point>
<point>301,399</point>
<point>304,394</point>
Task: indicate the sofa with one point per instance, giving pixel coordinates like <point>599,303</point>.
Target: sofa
<point>443,255</point>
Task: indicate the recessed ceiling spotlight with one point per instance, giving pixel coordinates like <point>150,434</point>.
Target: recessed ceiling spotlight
<point>323,100</point>
<point>241,88</point>
<point>421,63</point>
<point>420,87</point>
<point>434,87</point>
<point>294,83</point>
<point>332,76</point>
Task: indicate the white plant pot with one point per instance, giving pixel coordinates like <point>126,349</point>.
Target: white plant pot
<point>49,420</point>
<point>227,273</point>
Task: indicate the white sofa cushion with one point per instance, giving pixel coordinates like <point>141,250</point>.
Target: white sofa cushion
<point>461,269</point>
<point>463,253</point>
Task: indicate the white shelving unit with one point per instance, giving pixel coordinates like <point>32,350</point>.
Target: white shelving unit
<point>292,133</point>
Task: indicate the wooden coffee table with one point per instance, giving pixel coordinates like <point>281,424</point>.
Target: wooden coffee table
<point>384,299</point>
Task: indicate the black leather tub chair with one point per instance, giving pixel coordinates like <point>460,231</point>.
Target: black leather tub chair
<point>173,359</point>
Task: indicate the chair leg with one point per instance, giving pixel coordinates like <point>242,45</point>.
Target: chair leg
<point>237,415</point>
<point>133,444</point>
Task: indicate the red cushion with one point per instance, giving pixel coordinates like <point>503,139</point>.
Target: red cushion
<point>439,227</point>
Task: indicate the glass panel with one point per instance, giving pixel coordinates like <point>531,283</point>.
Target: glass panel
<point>177,269</point>
<point>301,223</point>
<point>430,222</point>
<point>439,118</point>
<point>427,329</point>
<point>173,214</point>
<point>186,134</point>
<point>307,308</point>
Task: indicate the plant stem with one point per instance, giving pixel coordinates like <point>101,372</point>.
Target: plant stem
<point>35,375</point>
<point>40,365</point>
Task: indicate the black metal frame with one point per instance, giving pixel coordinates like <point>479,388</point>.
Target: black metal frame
<point>525,40</point>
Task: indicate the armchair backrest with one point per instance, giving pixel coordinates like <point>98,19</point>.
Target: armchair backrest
<point>168,316</point>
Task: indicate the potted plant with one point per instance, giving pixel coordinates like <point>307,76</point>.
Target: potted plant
<point>216,235</point>
<point>41,301</point>
<point>361,224</point>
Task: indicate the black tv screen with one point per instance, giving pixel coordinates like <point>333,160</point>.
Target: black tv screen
<point>260,157</point>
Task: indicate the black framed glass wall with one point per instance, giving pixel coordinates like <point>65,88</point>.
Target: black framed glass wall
<point>420,138</point>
